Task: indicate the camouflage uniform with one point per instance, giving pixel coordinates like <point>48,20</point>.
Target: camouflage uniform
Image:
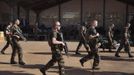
<point>56,53</point>
<point>93,47</point>
<point>82,40</point>
<point>110,38</point>
<point>7,34</point>
<point>124,42</point>
<point>16,46</point>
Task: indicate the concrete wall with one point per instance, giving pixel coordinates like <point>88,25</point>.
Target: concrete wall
<point>115,12</point>
<point>131,8</point>
<point>47,16</point>
<point>4,12</point>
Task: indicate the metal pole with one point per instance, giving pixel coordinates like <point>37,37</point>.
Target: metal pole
<point>12,9</point>
<point>104,12</point>
<point>81,11</point>
<point>11,13</point>
<point>59,10</point>
<point>18,11</point>
<point>38,18</point>
<point>27,17</point>
<point>127,12</point>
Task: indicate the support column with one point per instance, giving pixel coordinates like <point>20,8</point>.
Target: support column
<point>59,6</point>
<point>38,17</point>
<point>81,12</point>
<point>127,12</point>
<point>27,15</point>
<point>104,12</point>
<point>18,11</point>
<point>11,13</point>
<point>12,10</point>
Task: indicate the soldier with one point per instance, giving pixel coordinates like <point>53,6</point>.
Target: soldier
<point>110,37</point>
<point>16,36</point>
<point>124,41</point>
<point>55,43</point>
<point>82,39</point>
<point>7,34</point>
<point>92,37</point>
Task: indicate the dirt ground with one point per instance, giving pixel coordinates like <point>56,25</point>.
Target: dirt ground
<point>37,53</point>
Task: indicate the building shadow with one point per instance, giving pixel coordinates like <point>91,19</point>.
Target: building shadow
<point>113,58</point>
<point>75,55</point>
<point>68,70</point>
<point>14,73</point>
<point>107,51</point>
<point>50,53</point>
<point>4,63</point>
<point>81,51</point>
<point>41,53</point>
<point>30,66</point>
<point>85,72</point>
<point>6,54</point>
<point>80,71</point>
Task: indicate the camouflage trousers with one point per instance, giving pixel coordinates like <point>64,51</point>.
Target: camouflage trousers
<point>82,41</point>
<point>16,50</point>
<point>126,47</point>
<point>56,57</point>
<point>92,55</point>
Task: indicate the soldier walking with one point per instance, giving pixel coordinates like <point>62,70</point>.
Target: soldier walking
<point>92,37</point>
<point>7,34</point>
<point>124,43</point>
<point>55,43</point>
<point>82,39</point>
<point>110,37</point>
<point>16,37</point>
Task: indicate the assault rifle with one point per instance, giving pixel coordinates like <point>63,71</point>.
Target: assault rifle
<point>64,47</point>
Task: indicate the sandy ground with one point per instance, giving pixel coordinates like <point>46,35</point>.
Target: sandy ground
<point>37,53</point>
